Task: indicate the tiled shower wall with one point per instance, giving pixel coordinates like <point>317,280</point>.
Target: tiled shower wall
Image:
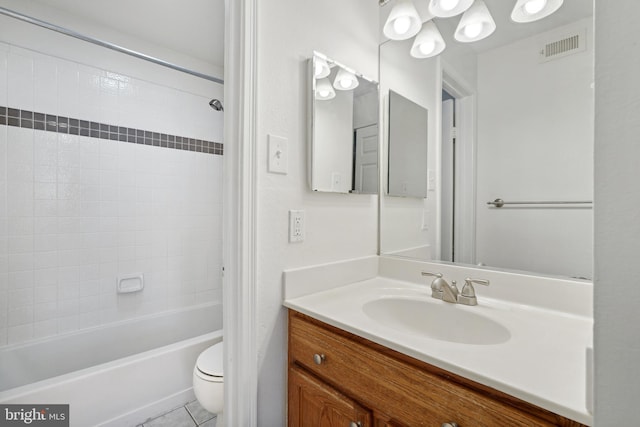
<point>77,211</point>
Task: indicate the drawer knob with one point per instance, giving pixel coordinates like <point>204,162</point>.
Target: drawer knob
<point>355,424</point>
<point>451,424</point>
<point>318,358</point>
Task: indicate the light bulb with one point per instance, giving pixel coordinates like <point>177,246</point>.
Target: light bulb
<point>324,93</point>
<point>346,83</point>
<point>402,24</point>
<point>534,6</point>
<point>473,30</point>
<point>448,4</point>
<point>427,47</point>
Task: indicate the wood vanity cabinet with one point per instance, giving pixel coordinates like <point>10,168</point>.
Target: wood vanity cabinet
<point>339,379</point>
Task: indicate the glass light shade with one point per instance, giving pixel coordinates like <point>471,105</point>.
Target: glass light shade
<point>345,80</point>
<point>321,68</point>
<point>476,24</point>
<point>428,42</point>
<point>448,8</point>
<point>324,90</point>
<point>403,21</point>
<point>523,8</point>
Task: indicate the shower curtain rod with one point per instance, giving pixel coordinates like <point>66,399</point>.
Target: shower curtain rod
<point>71,33</point>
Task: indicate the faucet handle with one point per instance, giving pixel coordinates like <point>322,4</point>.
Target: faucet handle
<point>436,284</point>
<point>468,294</point>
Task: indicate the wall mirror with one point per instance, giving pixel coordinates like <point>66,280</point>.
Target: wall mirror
<point>344,128</point>
<point>509,172</point>
<point>407,148</point>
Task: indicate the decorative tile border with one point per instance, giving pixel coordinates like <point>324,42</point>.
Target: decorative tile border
<point>47,122</point>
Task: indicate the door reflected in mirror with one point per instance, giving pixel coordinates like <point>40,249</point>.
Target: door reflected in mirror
<point>344,129</point>
<point>512,118</point>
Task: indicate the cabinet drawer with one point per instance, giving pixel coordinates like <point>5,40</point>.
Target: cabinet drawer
<point>404,391</point>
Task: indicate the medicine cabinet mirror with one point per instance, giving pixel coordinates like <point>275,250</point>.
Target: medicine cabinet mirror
<point>344,128</point>
<point>407,152</point>
<point>511,117</point>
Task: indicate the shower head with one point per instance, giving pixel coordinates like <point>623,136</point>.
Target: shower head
<point>216,105</point>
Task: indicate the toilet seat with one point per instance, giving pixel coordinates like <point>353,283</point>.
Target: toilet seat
<point>209,365</point>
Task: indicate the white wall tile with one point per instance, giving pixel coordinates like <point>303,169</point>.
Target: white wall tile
<point>20,315</point>
<point>20,144</point>
<point>45,328</point>
<point>45,294</point>
<point>3,77</point>
<point>45,311</point>
<point>45,260</point>
<point>83,210</point>
<point>69,323</point>
<point>45,148</point>
<point>21,333</point>
<point>20,81</point>
<point>68,89</point>
<point>21,298</point>
<point>45,277</point>
<point>45,85</point>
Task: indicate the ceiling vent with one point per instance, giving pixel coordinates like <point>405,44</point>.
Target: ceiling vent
<point>563,45</point>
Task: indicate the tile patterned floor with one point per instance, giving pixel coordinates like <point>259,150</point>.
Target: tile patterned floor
<point>190,415</point>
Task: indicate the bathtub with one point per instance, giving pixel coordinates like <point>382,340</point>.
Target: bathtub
<point>116,375</point>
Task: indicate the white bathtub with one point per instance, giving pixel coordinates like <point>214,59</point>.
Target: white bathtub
<point>116,375</point>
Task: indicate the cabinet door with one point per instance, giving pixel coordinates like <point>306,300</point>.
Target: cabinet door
<point>313,403</point>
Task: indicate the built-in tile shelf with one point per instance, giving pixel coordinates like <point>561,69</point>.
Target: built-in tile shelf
<point>73,126</point>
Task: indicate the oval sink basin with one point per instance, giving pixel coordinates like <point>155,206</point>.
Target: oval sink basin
<point>445,322</point>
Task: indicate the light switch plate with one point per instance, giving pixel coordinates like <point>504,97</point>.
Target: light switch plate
<point>278,154</point>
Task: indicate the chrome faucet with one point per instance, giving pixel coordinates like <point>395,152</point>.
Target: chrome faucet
<point>468,294</point>
<point>440,289</point>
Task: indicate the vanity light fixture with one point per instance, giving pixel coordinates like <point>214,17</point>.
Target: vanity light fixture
<point>533,10</point>
<point>476,23</point>
<point>324,90</point>
<point>345,80</point>
<point>321,68</point>
<point>403,21</point>
<point>428,42</point>
<point>448,8</point>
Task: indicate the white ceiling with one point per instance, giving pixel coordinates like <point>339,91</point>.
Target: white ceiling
<point>196,27</point>
<point>193,27</point>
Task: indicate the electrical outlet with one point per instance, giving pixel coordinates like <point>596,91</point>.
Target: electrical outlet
<point>296,226</point>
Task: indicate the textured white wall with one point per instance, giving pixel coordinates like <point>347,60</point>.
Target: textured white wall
<point>338,226</point>
<point>535,142</point>
<point>617,205</point>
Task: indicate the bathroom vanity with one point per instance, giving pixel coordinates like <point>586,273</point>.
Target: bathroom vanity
<point>379,351</point>
<point>344,379</point>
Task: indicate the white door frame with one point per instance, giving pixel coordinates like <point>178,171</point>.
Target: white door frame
<point>466,148</point>
<point>239,214</point>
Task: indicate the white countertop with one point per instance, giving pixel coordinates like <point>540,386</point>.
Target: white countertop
<point>543,362</point>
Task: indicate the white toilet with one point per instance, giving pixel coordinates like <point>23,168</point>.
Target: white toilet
<point>208,381</point>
